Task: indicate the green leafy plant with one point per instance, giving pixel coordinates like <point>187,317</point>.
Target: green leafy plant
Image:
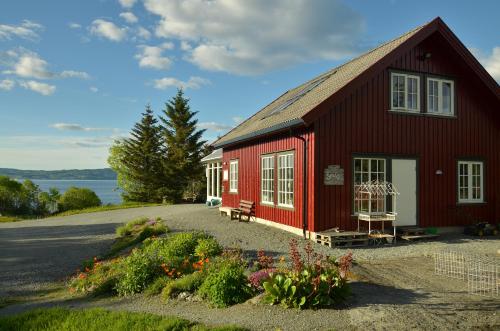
<point>207,247</point>
<point>98,277</point>
<point>157,286</point>
<point>313,281</point>
<point>225,284</point>
<point>139,269</point>
<point>187,283</point>
<point>137,231</point>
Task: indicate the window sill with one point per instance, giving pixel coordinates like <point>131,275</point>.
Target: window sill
<point>233,192</point>
<point>286,207</point>
<point>440,115</point>
<point>267,204</point>
<point>468,203</point>
<point>405,111</point>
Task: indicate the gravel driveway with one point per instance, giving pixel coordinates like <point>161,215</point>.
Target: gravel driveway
<point>398,285</point>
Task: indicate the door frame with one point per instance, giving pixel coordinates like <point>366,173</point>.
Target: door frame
<point>388,168</point>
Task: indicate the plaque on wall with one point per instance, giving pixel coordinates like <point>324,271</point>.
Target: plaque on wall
<point>225,175</point>
<point>334,175</point>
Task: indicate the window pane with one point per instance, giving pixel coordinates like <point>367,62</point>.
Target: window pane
<point>446,97</point>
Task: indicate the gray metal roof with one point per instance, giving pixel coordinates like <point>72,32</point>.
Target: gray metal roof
<point>215,155</point>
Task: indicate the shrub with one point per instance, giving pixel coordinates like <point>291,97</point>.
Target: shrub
<point>126,230</point>
<point>315,281</point>
<point>137,231</point>
<point>207,247</point>
<point>225,284</point>
<point>78,198</point>
<point>187,283</point>
<point>139,269</point>
<point>259,277</point>
<point>157,286</point>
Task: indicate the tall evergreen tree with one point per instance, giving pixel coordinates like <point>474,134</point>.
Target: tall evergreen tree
<point>183,147</point>
<point>140,164</point>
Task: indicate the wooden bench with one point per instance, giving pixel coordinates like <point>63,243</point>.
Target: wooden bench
<point>246,208</point>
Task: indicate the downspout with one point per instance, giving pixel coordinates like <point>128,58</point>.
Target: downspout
<point>305,148</point>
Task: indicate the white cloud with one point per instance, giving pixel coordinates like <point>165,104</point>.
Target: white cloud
<point>214,126</point>
<point>75,127</point>
<point>108,30</point>
<point>152,57</point>
<point>185,46</point>
<point>30,65</point>
<point>94,89</point>
<point>127,3</point>
<point>168,45</point>
<point>74,25</point>
<point>143,33</point>
<point>42,88</point>
<point>26,30</point>
<point>252,37</point>
<point>7,84</point>
<point>238,119</point>
<point>74,74</point>
<point>193,83</point>
<point>129,17</point>
<point>491,62</point>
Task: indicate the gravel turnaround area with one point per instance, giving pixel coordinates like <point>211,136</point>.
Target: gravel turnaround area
<point>395,286</point>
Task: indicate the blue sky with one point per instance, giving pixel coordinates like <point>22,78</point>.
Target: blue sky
<point>74,75</point>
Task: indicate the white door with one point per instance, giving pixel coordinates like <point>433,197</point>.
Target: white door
<point>404,177</point>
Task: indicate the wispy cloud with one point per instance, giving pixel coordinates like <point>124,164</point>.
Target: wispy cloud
<point>490,61</point>
<point>75,26</point>
<point>214,126</point>
<point>94,89</point>
<point>108,30</point>
<point>77,127</point>
<point>7,84</point>
<point>26,30</point>
<point>42,88</point>
<point>194,82</point>
<point>127,3</point>
<point>74,74</point>
<point>152,56</point>
<point>129,17</point>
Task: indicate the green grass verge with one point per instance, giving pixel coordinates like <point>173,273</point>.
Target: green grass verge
<point>105,208</point>
<point>7,219</point>
<point>60,319</point>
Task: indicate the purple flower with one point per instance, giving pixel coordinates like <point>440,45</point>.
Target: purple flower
<point>257,278</point>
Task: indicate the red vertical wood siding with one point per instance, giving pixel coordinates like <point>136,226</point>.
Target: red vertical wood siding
<point>362,124</point>
<point>249,178</point>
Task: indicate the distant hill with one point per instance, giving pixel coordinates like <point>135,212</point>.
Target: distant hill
<point>73,174</point>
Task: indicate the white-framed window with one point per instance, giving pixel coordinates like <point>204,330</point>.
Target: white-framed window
<point>286,179</point>
<point>440,96</point>
<point>470,181</point>
<point>233,176</point>
<point>405,92</point>
<point>366,170</point>
<point>267,179</point>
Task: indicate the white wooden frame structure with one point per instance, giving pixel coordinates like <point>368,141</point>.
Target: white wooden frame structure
<point>375,191</point>
<point>213,173</point>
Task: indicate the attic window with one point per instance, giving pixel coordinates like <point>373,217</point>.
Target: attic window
<point>297,96</point>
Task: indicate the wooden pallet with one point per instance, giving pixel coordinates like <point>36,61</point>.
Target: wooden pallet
<point>410,231</point>
<point>420,236</point>
<point>342,239</point>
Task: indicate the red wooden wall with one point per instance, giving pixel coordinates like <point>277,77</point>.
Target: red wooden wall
<point>361,123</point>
<point>249,177</point>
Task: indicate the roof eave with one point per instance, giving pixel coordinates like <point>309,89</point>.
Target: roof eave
<point>260,133</point>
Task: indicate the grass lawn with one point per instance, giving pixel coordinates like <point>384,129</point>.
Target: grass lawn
<point>60,319</point>
<point>6,219</point>
<point>106,207</point>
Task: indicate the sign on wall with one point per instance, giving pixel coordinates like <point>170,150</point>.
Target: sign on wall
<point>334,175</point>
<point>225,175</point>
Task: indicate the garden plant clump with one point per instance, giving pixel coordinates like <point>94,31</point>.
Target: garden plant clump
<point>312,281</point>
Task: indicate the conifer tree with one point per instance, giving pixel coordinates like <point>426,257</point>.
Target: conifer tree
<point>140,160</point>
<point>183,147</point>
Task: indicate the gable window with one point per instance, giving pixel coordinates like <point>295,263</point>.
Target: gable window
<point>366,170</point>
<point>470,181</point>
<point>405,92</point>
<point>285,179</point>
<point>267,180</point>
<point>440,96</point>
<point>233,176</point>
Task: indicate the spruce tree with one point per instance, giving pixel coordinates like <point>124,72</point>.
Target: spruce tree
<point>141,160</point>
<point>183,147</point>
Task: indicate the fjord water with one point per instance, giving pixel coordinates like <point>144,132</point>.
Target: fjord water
<point>106,190</point>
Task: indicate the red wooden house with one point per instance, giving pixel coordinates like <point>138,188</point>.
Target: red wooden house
<point>418,111</point>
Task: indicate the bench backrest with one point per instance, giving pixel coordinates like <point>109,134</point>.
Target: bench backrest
<point>247,206</point>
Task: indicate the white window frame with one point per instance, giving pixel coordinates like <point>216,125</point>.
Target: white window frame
<point>469,180</point>
<point>369,174</point>
<point>233,176</point>
<point>284,194</point>
<point>267,177</point>
<point>405,108</point>
<point>440,98</point>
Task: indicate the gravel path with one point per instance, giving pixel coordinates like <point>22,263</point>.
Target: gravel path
<point>397,282</point>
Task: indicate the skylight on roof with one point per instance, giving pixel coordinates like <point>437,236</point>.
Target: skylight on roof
<point>297,96</point>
